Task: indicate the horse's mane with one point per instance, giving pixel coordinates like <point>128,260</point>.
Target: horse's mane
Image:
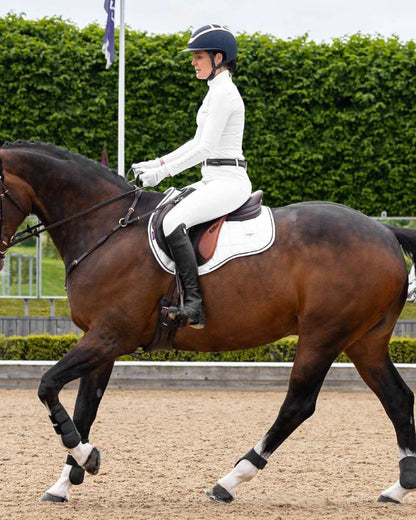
<point>59,153</point>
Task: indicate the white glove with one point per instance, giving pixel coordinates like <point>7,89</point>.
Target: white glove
<point>152,177</point>
<point>145,165</point>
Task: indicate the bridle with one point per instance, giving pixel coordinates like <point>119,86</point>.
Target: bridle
<point>6,240</point>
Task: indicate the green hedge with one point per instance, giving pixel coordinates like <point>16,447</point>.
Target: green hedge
<point>36,347</point>
<point>46,347</point>
<point>330,121</point>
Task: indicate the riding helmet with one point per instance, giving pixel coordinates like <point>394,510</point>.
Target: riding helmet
<point>214,38</point>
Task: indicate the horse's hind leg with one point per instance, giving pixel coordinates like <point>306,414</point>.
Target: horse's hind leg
<point>90,392</point>
<point>308,373</point>
<point>371,357</point>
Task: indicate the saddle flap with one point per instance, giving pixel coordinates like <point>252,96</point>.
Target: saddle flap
<point>209,239</point>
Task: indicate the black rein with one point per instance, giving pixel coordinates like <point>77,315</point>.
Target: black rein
<point>122,223</point>
<point>40,228</point>
<point>35,231</point>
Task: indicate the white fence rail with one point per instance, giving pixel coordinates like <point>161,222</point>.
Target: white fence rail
<point>197,375</point>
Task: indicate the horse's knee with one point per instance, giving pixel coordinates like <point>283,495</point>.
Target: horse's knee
<point>402,397</point>
<point>46,390</point>
<point>62,423</point>
<point>49,388</point>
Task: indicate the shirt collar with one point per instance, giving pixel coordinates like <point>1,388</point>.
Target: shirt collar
<point>220,78</point>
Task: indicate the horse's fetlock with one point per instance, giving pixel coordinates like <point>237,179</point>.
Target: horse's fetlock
<point>76,474</point>
<point>408,472</point>
<point>256,460</point>
<point>64,426</point>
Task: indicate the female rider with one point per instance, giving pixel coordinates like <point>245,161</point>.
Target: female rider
<point>217,145</point>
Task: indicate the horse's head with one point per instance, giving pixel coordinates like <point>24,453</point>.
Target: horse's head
<point>15,206</point>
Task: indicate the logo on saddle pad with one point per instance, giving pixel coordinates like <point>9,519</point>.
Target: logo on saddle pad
<point>247,231</point>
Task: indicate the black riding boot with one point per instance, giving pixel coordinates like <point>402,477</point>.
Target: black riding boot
<point>187,268</point>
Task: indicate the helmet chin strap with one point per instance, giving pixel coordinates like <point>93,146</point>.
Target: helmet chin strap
<point>214,66</point>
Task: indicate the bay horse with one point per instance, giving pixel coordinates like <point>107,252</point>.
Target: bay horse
<point>334,277</point>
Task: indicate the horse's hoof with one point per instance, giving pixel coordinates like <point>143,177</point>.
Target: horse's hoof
<point>385,499</point>
<point>47,497</point>
<point>93,462</point>
<point>219,494</point>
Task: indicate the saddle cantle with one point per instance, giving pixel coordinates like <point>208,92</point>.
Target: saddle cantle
<point>205,247</point>
<point>250,209</point>
<point>204,237</point>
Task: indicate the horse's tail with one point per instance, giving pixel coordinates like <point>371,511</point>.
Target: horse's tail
<point>407,239</point>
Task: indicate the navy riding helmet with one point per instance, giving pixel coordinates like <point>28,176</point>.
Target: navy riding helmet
<point>214,38</point>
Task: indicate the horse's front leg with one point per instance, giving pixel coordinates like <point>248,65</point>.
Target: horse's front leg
<point>85,360</point>
<point>90,393</point>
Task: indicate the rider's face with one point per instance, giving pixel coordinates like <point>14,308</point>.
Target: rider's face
<point>202,63</point>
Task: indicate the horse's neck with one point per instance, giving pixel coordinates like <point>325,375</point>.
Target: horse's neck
<point>64,188</point>
<point>81,234</point>
<point>149,200</point>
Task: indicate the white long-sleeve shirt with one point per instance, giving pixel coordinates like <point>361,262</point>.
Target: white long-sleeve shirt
<point>220,128</point>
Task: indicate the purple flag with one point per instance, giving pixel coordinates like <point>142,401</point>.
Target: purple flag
<point>108,42</point>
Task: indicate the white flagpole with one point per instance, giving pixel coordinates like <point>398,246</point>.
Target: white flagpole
<point>121,91</point>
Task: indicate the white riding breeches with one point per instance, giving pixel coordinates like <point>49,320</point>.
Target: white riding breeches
<point>214,196</point>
